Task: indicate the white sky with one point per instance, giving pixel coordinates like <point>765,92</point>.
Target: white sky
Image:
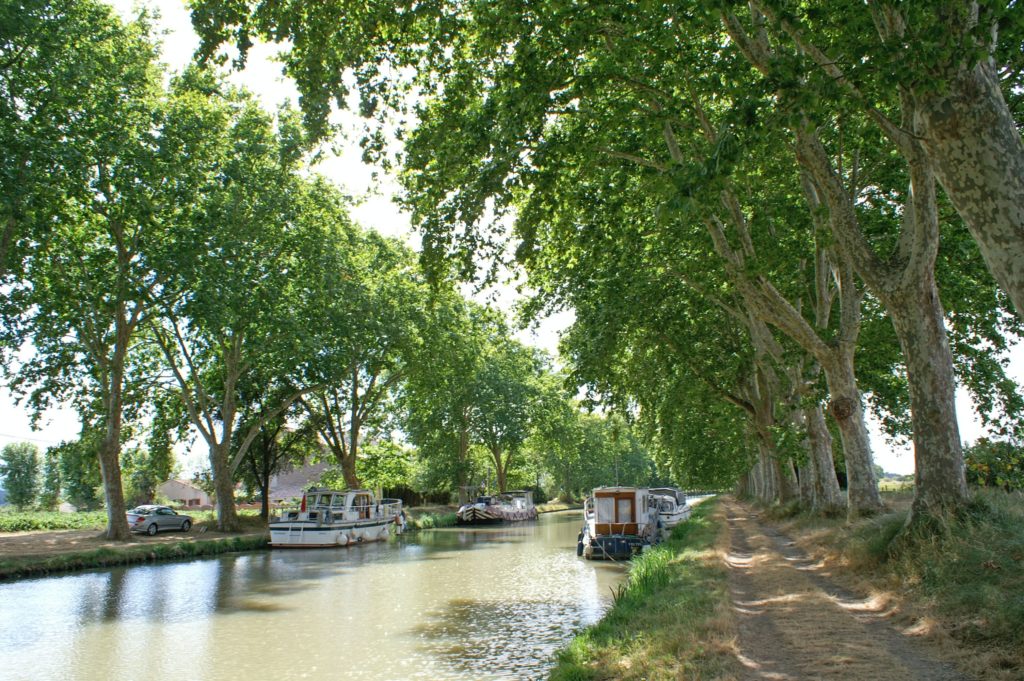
<point>376,210</point>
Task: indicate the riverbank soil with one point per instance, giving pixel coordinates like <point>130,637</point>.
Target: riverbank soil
<point>795,621</point>
<point>49,543</point>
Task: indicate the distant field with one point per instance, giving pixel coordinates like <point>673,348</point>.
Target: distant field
<point>890,485</point>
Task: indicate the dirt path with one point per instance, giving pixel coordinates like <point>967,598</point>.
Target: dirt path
<point>794,623</point>
<point>51,543</point>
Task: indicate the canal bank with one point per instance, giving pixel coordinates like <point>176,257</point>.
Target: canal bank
<point>671,619</point>
<point>40,553</point>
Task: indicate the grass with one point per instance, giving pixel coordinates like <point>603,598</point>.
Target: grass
<point>429,520</point>
<point>27,521</point>
<point>128,555</point>
<point>671,619</point>
<point>962,576</point>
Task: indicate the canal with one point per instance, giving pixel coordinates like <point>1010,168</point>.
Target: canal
<point>481,603</point>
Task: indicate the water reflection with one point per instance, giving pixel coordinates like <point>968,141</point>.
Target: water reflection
<point>443,604</point>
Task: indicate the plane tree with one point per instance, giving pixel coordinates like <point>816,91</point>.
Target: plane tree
<point>375,317</point>
<point>956,67</point>
<point>89,176</point>
<point>438,393</point>
<point>250,274</point>
<point>682,102</point>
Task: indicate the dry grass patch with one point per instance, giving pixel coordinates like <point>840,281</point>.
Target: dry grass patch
<point>958,583</point>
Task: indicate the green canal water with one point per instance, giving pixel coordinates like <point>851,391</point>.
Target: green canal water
<point>481,603</point>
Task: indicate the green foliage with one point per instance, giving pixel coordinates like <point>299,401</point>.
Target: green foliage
<point>386,465</point>
<point>430,521</point>
<point>20,470</point>
<point>11,521</point>
<point>79,466</point>
<point>143,471</point>
<point>995,463</point>
<point>49,494</point>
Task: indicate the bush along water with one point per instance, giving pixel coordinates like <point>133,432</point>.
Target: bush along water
<point>670,619</point>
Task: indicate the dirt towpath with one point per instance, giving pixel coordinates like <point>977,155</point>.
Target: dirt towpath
<point>57,542</point>
<point>795,623</point>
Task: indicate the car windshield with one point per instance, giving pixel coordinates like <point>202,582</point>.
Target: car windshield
<point>141,511</point>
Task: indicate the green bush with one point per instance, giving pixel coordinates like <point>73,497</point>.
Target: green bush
<point>25,521</point>
<point>429,521</point>
<point>995,463</point>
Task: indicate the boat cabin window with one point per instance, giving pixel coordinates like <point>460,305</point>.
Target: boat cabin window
<point>362,504</point>
<point>624,512</point>
<point>338,501</point>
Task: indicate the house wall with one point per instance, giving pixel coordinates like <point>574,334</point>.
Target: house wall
<point>183,493</point>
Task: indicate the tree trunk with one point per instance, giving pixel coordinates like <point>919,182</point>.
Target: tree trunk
<point>265,494</point>
<point>348,470</point>
<point>970,136</point>
<point>828,498</point>
<point>847,409</point>
<point>110,468</point>
<point>220,464</point>
<point>938,457</point>
<point>348,466</point>
<point>463,451</point>
<point>743,486</point>
<point>499,469</point>
<point>805,474</point>
<point>110,448</point>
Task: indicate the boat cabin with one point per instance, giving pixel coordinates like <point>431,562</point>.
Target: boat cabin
<point>621,510</point>
<point>334,506</point>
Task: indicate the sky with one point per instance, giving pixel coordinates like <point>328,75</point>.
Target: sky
<point>375,210</point>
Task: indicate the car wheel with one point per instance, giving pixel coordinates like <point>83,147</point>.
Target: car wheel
<point>151,530</point>
<point>186,526</point>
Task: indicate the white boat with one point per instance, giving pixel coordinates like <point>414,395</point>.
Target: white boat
<point>618,522</point>
<point>337,518</point>
<point>508,507</point>
<point>672,507</point>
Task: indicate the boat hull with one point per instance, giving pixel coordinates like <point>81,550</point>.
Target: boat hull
<point>299,534</point>
<point>475,515</point>
<point>613,547</point>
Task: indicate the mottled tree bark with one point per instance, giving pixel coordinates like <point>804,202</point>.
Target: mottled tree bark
<point>223,484</point>
<point>827,495</point>
<point>846,407</point>
<point>970,136</point>
<point>940,483</point>
<point>906,287</point>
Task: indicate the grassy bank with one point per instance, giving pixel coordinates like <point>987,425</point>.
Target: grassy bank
<point>671,620</point>
<point>959,580</point>
<point>129,554</point>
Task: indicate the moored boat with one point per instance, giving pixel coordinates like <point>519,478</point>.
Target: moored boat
<point>508,507</point>
<point>618,522</point>
<point>337,518</point>
<point>672,507</point>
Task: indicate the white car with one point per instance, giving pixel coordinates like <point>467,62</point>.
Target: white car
<point>151,519</point>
